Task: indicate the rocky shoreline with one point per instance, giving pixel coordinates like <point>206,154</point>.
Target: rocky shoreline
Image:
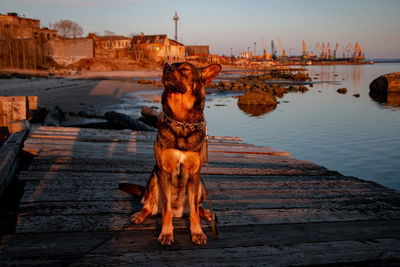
<point>84,100</point>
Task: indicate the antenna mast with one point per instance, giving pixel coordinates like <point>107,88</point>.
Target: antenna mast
<point>176,18</point>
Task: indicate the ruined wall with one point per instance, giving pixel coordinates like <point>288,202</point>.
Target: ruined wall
<point>69,51</point>
<point>197,50</point>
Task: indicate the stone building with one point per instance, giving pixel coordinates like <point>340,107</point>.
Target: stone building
<point>111,47</point>
<point>158,47</point>
<point>14,27</point>
<point>197,52</point>
<point>69,51</point>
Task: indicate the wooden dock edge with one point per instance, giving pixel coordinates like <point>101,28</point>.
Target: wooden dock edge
<point>10,153</point>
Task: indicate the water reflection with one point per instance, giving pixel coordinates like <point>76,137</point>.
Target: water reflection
<point>385,99</point>
<point>256,110</point>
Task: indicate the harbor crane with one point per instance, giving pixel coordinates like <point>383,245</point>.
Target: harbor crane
<point>273,50</point>
<point>328,48</point>
<point>265,54</point>
<point>304,49</point>
<point>318,50</point>
<point>358,52</point>
<point>349,50</point>
<point>280,47</point>
<point>323,54</point>
<point>335,51</point>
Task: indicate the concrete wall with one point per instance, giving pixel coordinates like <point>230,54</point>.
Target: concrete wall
<point>69,51</point>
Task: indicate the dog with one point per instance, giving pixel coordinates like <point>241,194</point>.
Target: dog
<point>180,149</point>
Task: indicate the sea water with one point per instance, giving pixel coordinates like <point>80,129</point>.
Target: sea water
<point>356,136</point>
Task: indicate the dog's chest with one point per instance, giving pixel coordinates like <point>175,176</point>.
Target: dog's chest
<point>181,104</point>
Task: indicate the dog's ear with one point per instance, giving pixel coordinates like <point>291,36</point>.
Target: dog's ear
<point>209,73</point>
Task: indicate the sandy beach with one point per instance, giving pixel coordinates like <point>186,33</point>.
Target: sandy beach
<point>91,92</point>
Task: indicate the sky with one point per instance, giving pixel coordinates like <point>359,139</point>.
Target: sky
<point>233,25</point>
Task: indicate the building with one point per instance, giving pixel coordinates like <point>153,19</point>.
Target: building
<point>246,55</point>
<point>69,51</point>
<point>14,27</point>
<point>197,50</point>
<point>110,47</point>
<point>158,47</point>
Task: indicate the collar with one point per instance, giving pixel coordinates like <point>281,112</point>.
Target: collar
<point>191,126</point>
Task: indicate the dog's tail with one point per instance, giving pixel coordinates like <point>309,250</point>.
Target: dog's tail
<point>133,189</point>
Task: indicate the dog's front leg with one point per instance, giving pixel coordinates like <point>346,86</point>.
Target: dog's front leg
<point>166,236</point>
<point>193,186</point>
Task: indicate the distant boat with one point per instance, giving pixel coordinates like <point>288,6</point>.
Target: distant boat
<point>371,62</point>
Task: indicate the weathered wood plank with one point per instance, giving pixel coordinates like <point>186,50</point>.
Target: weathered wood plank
<point>120,164</point>
<point>133,204</point>
<point>293,243</point>
<point>115,222</point>
<point>272,255</point>
<point>104,180</point>
<point>9,160</point>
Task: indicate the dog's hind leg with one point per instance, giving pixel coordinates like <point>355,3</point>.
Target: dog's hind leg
<point>205,214</point>
<point>194,186</point>
<point>150,199</point>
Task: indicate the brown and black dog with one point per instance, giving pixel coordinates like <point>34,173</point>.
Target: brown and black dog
<point>180,149</point>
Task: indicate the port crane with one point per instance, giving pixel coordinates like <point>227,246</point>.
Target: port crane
<point>328,48</point>
<point>273,50</point>
<point>280,47</point>
<point>358,52</point>
<point>323,54</point>
<point>318,50</point>
<point>349,50</point>
<point>335,51</point>
<point>304,49</point>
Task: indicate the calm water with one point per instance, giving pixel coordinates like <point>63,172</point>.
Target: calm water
<point>355,136</point>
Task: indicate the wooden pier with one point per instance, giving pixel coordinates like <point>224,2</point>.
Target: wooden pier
<point>272,209</point>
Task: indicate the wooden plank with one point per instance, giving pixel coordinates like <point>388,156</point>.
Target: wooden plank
<point>118,163</point>
<point>293,243</point>
<point>132,204</point>
<point>117,221</point>
<point>12,108</point>
<point>272,255</point>
<point>104,180</point>
<point>9,155</point>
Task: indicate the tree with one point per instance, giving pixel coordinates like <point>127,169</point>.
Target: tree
<point>67,29</point>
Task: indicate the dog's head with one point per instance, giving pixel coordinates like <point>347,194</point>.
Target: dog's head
<point>180,77</point>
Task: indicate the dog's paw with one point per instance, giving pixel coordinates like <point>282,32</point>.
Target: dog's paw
<point>137,218</point>
<point>199,238</point>
<point>166,239</point>
<point>205,214</point>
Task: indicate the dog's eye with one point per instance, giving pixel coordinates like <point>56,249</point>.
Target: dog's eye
<point>185,68</point>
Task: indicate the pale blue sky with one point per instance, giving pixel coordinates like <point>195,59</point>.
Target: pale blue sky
<point>223,24</point>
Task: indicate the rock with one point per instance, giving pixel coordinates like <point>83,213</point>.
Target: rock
<point>54,117</point>
<point>149,116</point>
<point>356,95</point>
<point>256,110</point>
<point>127,122</point>
<point>388,83</point>
<point>144,81</point>
<point>257,102</point>
<point>342,90</point>
<point>257,97</point>
<point>303,89</point>
<point>279,91</point>
<point>227,85</point>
